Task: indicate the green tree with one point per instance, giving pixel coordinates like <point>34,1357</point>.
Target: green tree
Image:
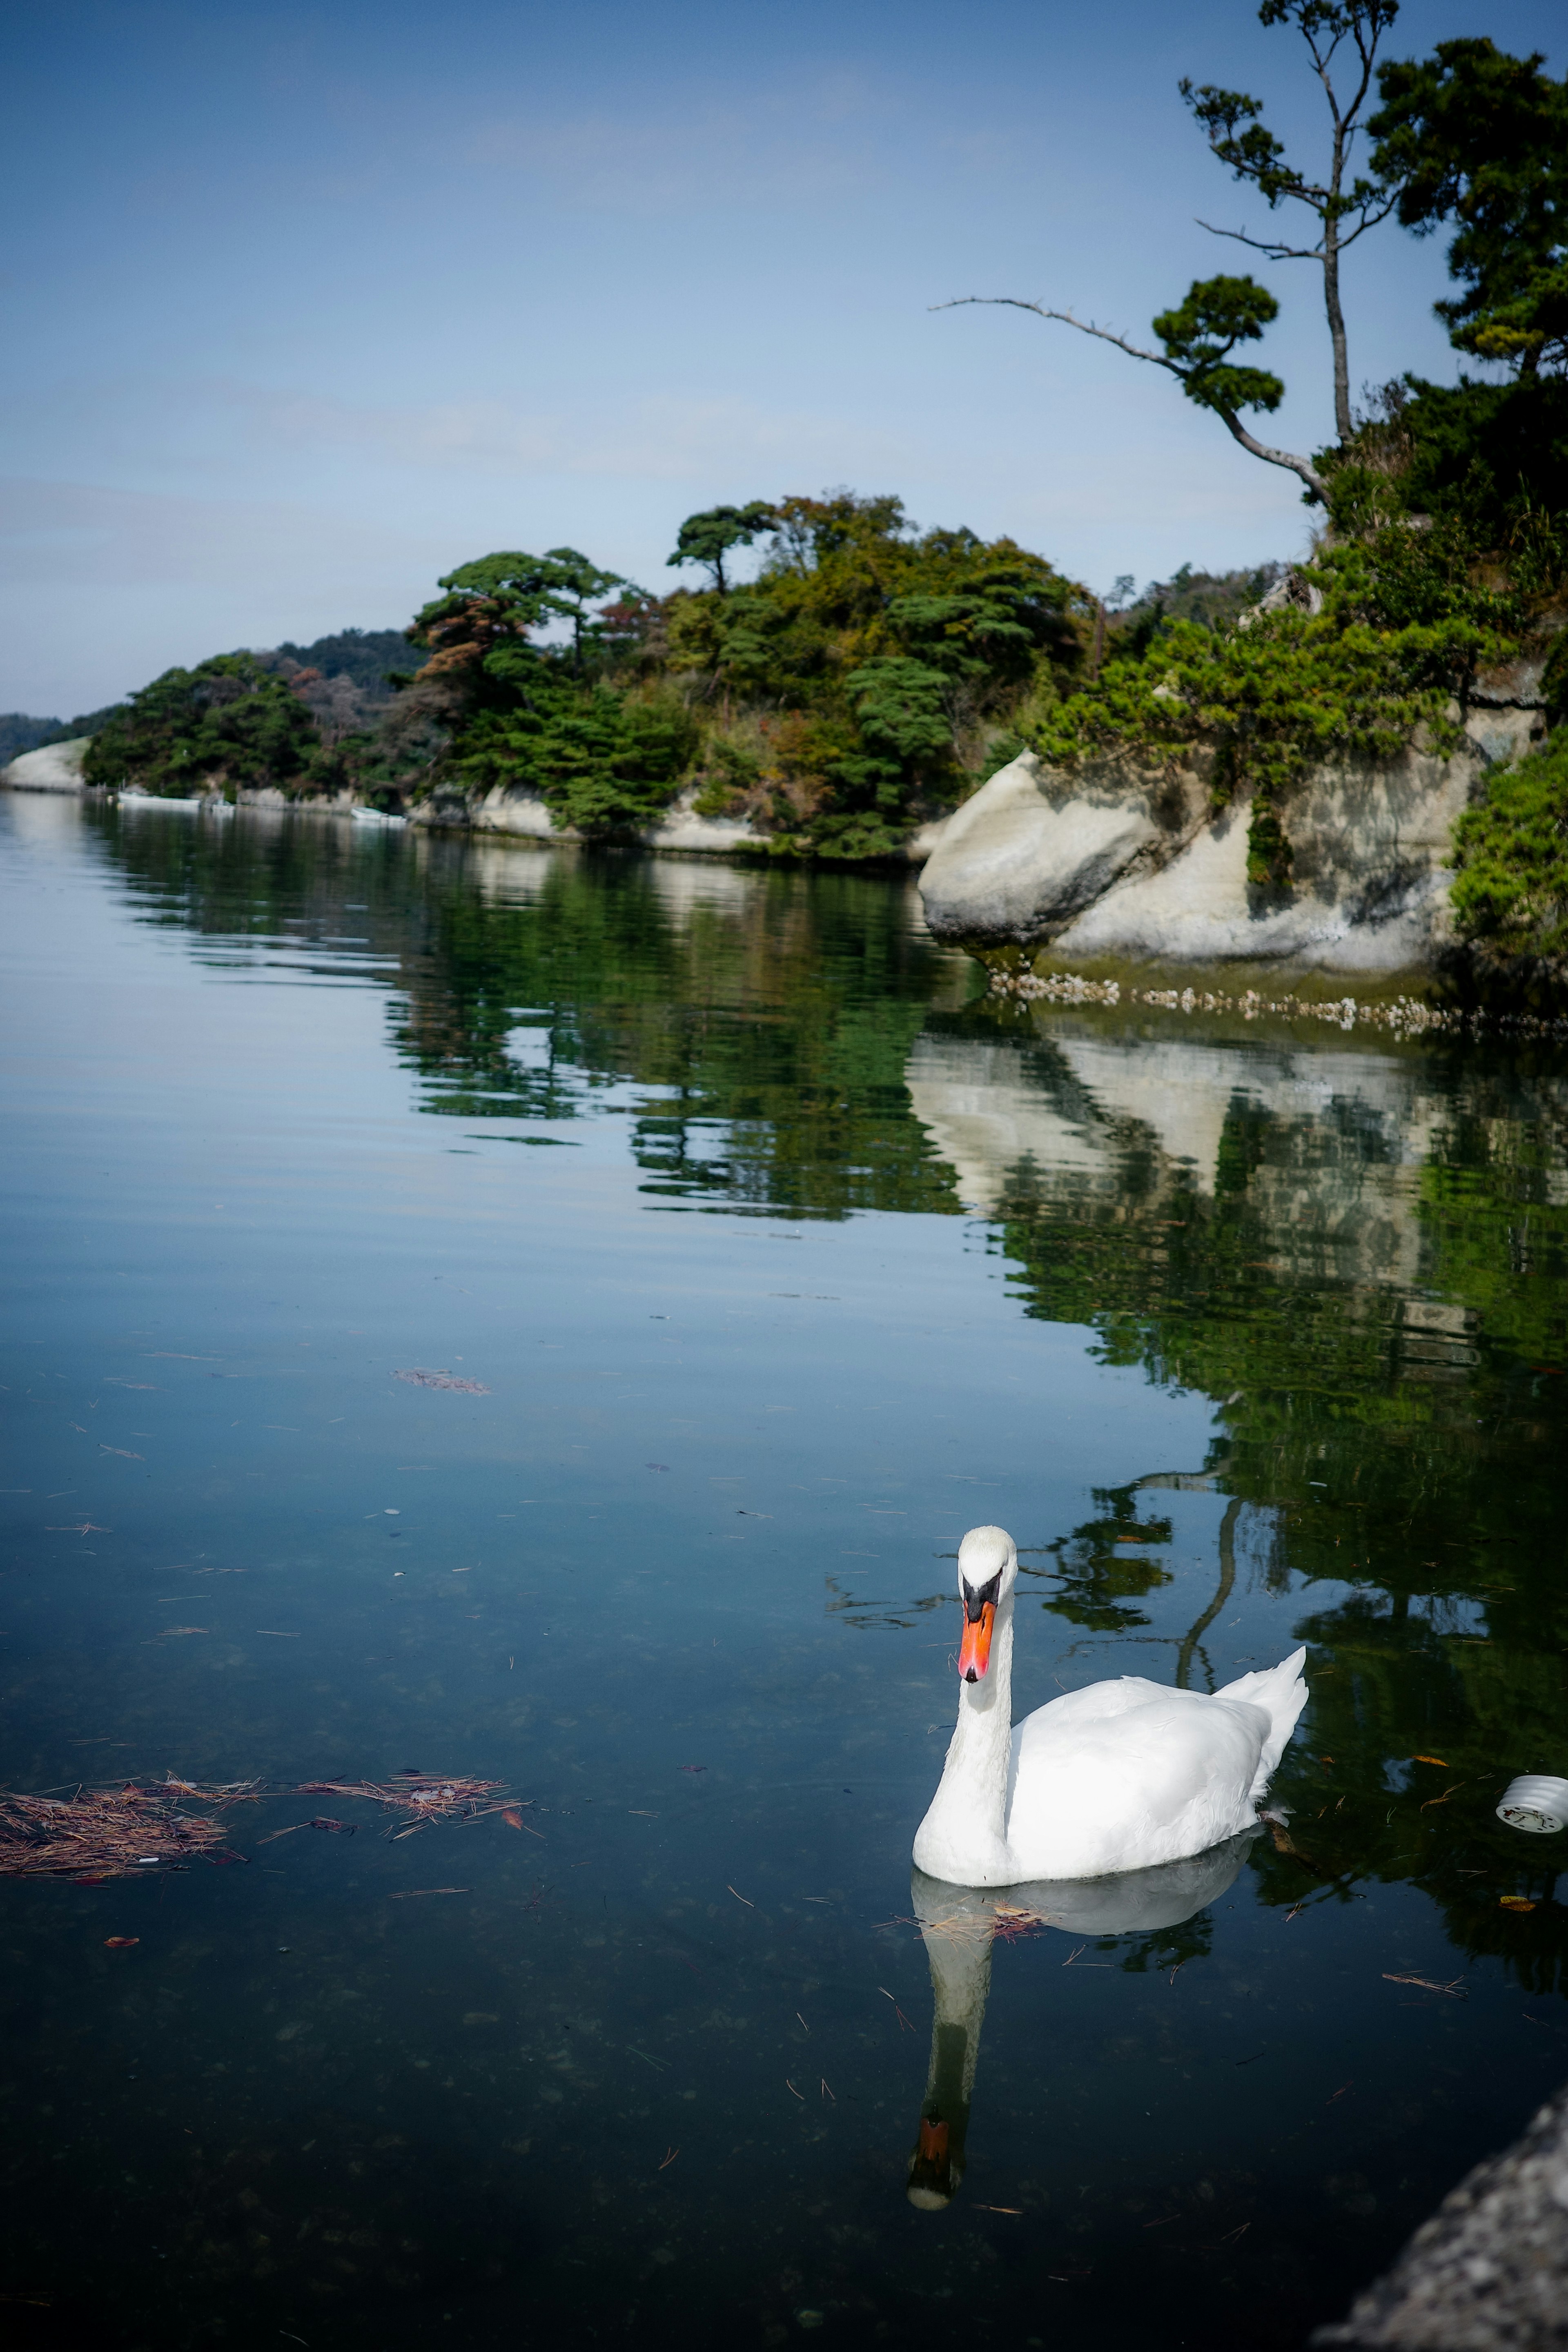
<point>1479,138</point>
<point>573,585</point>
<point>1237,136</point>
<point>225,725</point>
<point>501,598</point>
<point>707,538</point>
<point>1200,334</point>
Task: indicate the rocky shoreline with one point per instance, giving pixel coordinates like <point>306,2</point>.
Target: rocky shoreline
<point>1118,865</point>
<point>1403,1015</point>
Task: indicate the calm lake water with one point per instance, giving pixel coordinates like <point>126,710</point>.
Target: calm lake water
<point>781,1257</point>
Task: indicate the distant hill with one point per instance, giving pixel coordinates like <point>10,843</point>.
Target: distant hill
<point>352,663</point>
<point>363,655</point>
<point>18,733</point>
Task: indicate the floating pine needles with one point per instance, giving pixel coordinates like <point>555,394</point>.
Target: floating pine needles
<point>100,1834</point>
<point>418,1797</point>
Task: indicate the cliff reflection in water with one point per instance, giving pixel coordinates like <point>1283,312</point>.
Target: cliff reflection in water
<point>1358,1251</point>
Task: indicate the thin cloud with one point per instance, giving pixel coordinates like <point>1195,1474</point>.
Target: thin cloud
<point>659,438</point>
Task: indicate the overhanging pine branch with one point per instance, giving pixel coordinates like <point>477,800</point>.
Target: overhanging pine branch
<point>1084,326</point>
<point>1300,466</point>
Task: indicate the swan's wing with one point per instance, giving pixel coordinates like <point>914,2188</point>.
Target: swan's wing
<point>1281,1692</point>
<point>1157,1772</point>
<point>1095,1703</point>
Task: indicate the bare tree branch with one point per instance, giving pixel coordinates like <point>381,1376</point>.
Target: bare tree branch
<point>1084,326</point>
<point>1275,250</point>
<point>1370,220</point>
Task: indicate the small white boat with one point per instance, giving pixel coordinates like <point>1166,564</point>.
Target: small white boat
<point>377,816</point>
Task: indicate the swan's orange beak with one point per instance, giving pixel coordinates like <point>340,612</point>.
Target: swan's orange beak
<point>974,1650</point>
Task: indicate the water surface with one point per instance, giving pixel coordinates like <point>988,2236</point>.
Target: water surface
<point>780,1259</point>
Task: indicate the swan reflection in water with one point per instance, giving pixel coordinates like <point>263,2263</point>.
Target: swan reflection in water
<point>959,1925</point>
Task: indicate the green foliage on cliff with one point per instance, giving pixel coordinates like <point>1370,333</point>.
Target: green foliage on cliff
<point>226,724</point>
<point>1399,632</point>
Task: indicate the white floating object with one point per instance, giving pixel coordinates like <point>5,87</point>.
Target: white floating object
<point>1535,1802</point>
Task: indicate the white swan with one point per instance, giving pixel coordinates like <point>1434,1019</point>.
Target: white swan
<point>1120,1776</point>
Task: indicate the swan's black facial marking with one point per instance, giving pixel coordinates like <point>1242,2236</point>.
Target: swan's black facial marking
<point>974,1601</point>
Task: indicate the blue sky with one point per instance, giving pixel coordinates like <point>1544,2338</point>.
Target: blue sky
<point>304,306</point>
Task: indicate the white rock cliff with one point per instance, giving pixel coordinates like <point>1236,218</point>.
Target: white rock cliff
<point>1117,863</point>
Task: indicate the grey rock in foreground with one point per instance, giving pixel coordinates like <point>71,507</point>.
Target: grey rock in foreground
<point>1489,2272</point>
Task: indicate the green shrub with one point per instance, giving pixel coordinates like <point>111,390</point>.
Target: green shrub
<point>1272,698</point>
<point>603,763</point>
<point>1511,891</point>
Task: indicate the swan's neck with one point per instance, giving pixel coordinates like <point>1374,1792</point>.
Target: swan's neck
<point>965,1833</point>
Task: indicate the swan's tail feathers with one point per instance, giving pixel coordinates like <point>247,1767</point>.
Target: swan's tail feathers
<point>1281,1693</point>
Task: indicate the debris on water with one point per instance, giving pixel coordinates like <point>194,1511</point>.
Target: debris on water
<point>426,1380</point>
<point>96,1834</point>
<point>320,1822</point>
<point>418,1797</point>
<point>99,1834</point>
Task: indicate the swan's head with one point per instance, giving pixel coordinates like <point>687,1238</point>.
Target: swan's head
<point>987,1572</point>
